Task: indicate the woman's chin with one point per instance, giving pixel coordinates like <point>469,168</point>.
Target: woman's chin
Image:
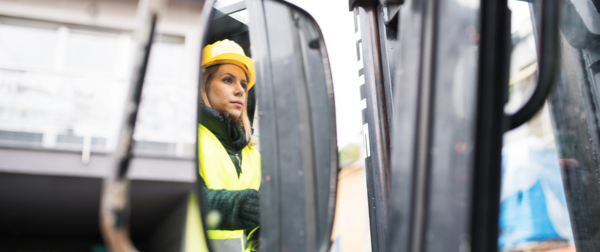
<point>234,114</point>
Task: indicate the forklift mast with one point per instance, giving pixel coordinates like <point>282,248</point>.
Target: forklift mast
<point>375,41</point>
<point>433,77</point>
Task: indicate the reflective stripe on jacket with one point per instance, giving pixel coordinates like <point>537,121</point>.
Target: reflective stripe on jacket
<point>218,172</point>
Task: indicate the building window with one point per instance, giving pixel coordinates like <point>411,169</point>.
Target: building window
<point>62,83</point>
<point>27,45</point>
<point>92,51</point>
<point>166,59</point>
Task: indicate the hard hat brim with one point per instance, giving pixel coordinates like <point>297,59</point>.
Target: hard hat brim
<point>233,58</point>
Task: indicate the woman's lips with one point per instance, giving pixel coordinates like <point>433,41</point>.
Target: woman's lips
<point>238,104</point>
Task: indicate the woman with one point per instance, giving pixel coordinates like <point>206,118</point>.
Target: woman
<point>229,164</point>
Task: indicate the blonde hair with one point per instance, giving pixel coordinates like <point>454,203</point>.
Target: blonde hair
<point>243,120</point>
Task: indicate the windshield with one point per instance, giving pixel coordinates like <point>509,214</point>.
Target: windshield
<point>550,189</point>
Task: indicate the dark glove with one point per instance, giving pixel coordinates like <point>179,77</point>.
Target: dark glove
<point>238,209</point>
<point>250,214</point>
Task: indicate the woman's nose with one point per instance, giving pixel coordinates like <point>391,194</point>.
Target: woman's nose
<point>239,89</point>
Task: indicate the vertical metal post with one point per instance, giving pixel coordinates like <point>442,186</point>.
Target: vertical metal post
<point>433,127</point>
<point>423,129</point>
<point>388,40</point>
<point>375,119</point>
<point>408,72</point>
<point>491,96</point>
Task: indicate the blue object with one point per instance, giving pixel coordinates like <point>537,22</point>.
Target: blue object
<point>533,206</point>
<point>524,218</point>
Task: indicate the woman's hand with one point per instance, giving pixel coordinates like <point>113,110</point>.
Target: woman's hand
<point>250,214</point>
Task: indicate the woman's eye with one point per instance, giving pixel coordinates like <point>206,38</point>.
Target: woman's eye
<point>245,85</point>
<point>228,80</point>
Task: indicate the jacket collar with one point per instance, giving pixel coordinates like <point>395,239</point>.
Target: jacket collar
<point>230,134</point>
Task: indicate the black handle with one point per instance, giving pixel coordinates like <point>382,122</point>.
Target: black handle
<point>547,62</point>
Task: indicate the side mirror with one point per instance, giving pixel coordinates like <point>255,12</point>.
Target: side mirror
<point>297,133</point>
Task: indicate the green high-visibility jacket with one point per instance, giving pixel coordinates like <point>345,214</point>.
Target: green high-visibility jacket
<point>219,172</point>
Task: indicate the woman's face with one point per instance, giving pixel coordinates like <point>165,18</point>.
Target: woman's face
<point>227,91</point>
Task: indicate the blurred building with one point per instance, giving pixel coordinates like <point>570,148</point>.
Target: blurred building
<point>351,229</point>
<point>65,66</point>
<point>64,70</point>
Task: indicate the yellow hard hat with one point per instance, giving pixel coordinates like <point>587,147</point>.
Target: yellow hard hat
<point>228,52</point>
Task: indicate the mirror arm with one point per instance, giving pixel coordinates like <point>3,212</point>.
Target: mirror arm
<point>114,205</point>
<point>548,65</point>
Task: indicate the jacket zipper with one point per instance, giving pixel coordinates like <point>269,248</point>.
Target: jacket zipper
<point>239,161</point>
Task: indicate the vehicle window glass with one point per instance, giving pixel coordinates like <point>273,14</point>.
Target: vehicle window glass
<point>291,100</point>
<point>549,169</point>
<point>228,133</point>
<point>573,108</point>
